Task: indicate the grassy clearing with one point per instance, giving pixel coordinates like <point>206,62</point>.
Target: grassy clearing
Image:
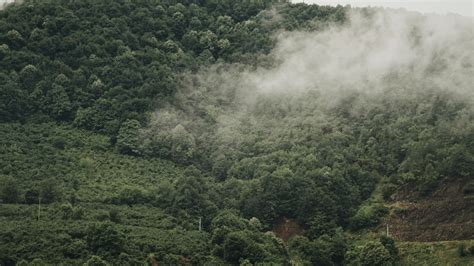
<point>434,253</point>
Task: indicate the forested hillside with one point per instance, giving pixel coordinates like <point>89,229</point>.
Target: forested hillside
<point>196,132</point>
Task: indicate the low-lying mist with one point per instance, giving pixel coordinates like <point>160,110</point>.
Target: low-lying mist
<point>379,61</point>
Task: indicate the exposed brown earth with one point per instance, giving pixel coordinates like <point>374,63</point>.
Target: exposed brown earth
<point>286,228</point>
<point>446,214</point>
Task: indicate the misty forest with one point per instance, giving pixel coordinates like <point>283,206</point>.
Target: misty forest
<point>220,132</point>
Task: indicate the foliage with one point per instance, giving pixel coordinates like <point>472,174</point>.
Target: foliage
<point>9,190</point>
<point>235,240</point>
<point>368,216</point>
<point>389,244</point>
<point>471,250</point>
<point>325,250</point>
<point>462,250</point>
<point>100,64</point>
<point>95,261</point>
<point>371,253</point>
<point>91,174</point>
<point>127,138</point>
<point>103,238</point>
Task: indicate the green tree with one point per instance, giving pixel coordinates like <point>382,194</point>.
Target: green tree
<point>183,144</point>
<point>67,210</point>
<point>22,263</point>
<point>29,76</point>
<point>390,245</point>
<point>103,238</point>
<point>190,193</point>
<point>59,103</point>
<point>4,50</point>
<point>32,196</point>
<point>128,140</point>
<point>371,253</point>
<point>14,38</point>
<point>96,261</point>
<point>238,246</point>
<point>38,262</point>
<point>49,191</point>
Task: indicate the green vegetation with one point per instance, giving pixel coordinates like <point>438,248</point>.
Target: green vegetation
<point>434,253</point>
<point>126,138</point>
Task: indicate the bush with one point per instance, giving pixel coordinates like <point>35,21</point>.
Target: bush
<point>389,244</point>
<point>78,212</point>
<point>32,196</point>
<point>323,251</point>
<point>38,262</point>
<point>468,189</point>
<point>66,210</point>
<point>49,191</point>
<point>96,261</point>
<point>372,253</point>
<point>237,246</point>
<point>114,216</point>
<point>320,225</point>
<point>76,249</point>
<point>470,250</point>
<point>69,212</point>
<point>367,216</point>
<point>9,190</point>
<point>127,138</point>
<point>131,195</point>
<point>103,238</point>
<point>462,250</point>
<point>22,263</point>
<point>388,190</point>
<point>59,143</point>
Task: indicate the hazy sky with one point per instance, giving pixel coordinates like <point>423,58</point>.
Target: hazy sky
<point>462,7</point>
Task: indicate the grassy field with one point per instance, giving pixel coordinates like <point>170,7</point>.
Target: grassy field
<point>434,253</point>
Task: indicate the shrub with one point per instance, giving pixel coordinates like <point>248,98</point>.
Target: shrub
<point>462,250</point>
<point>238,246</point>
<point>78,212</point>
<point>9,190</point>
<point>96,261</point>
<point>127,138</point>
<point>103,238</point>
<point>468,189</point>
<point>32,196</point>
<point>22,263</point>
<point>38,262</point>
<point>471,250</point>
<point>76,249</point>
<point>323,251</point>
<point>320,225</point>
<point>131,195</point>
<point>66,210</point>
<point>59,143</point>
<point>371,253</point>
<point>49,191</point>
<point>388,190</point>
<point>389,244</point>
<point>367,216</point>
<point>114,216</point>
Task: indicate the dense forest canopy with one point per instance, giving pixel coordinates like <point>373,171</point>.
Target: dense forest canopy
<point>124,123</point>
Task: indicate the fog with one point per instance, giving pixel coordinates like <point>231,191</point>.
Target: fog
<point>373,52</point>
<point>377,57</point>
<point>4,3</point>
<point>462,7</point>
<point>364,53</point>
